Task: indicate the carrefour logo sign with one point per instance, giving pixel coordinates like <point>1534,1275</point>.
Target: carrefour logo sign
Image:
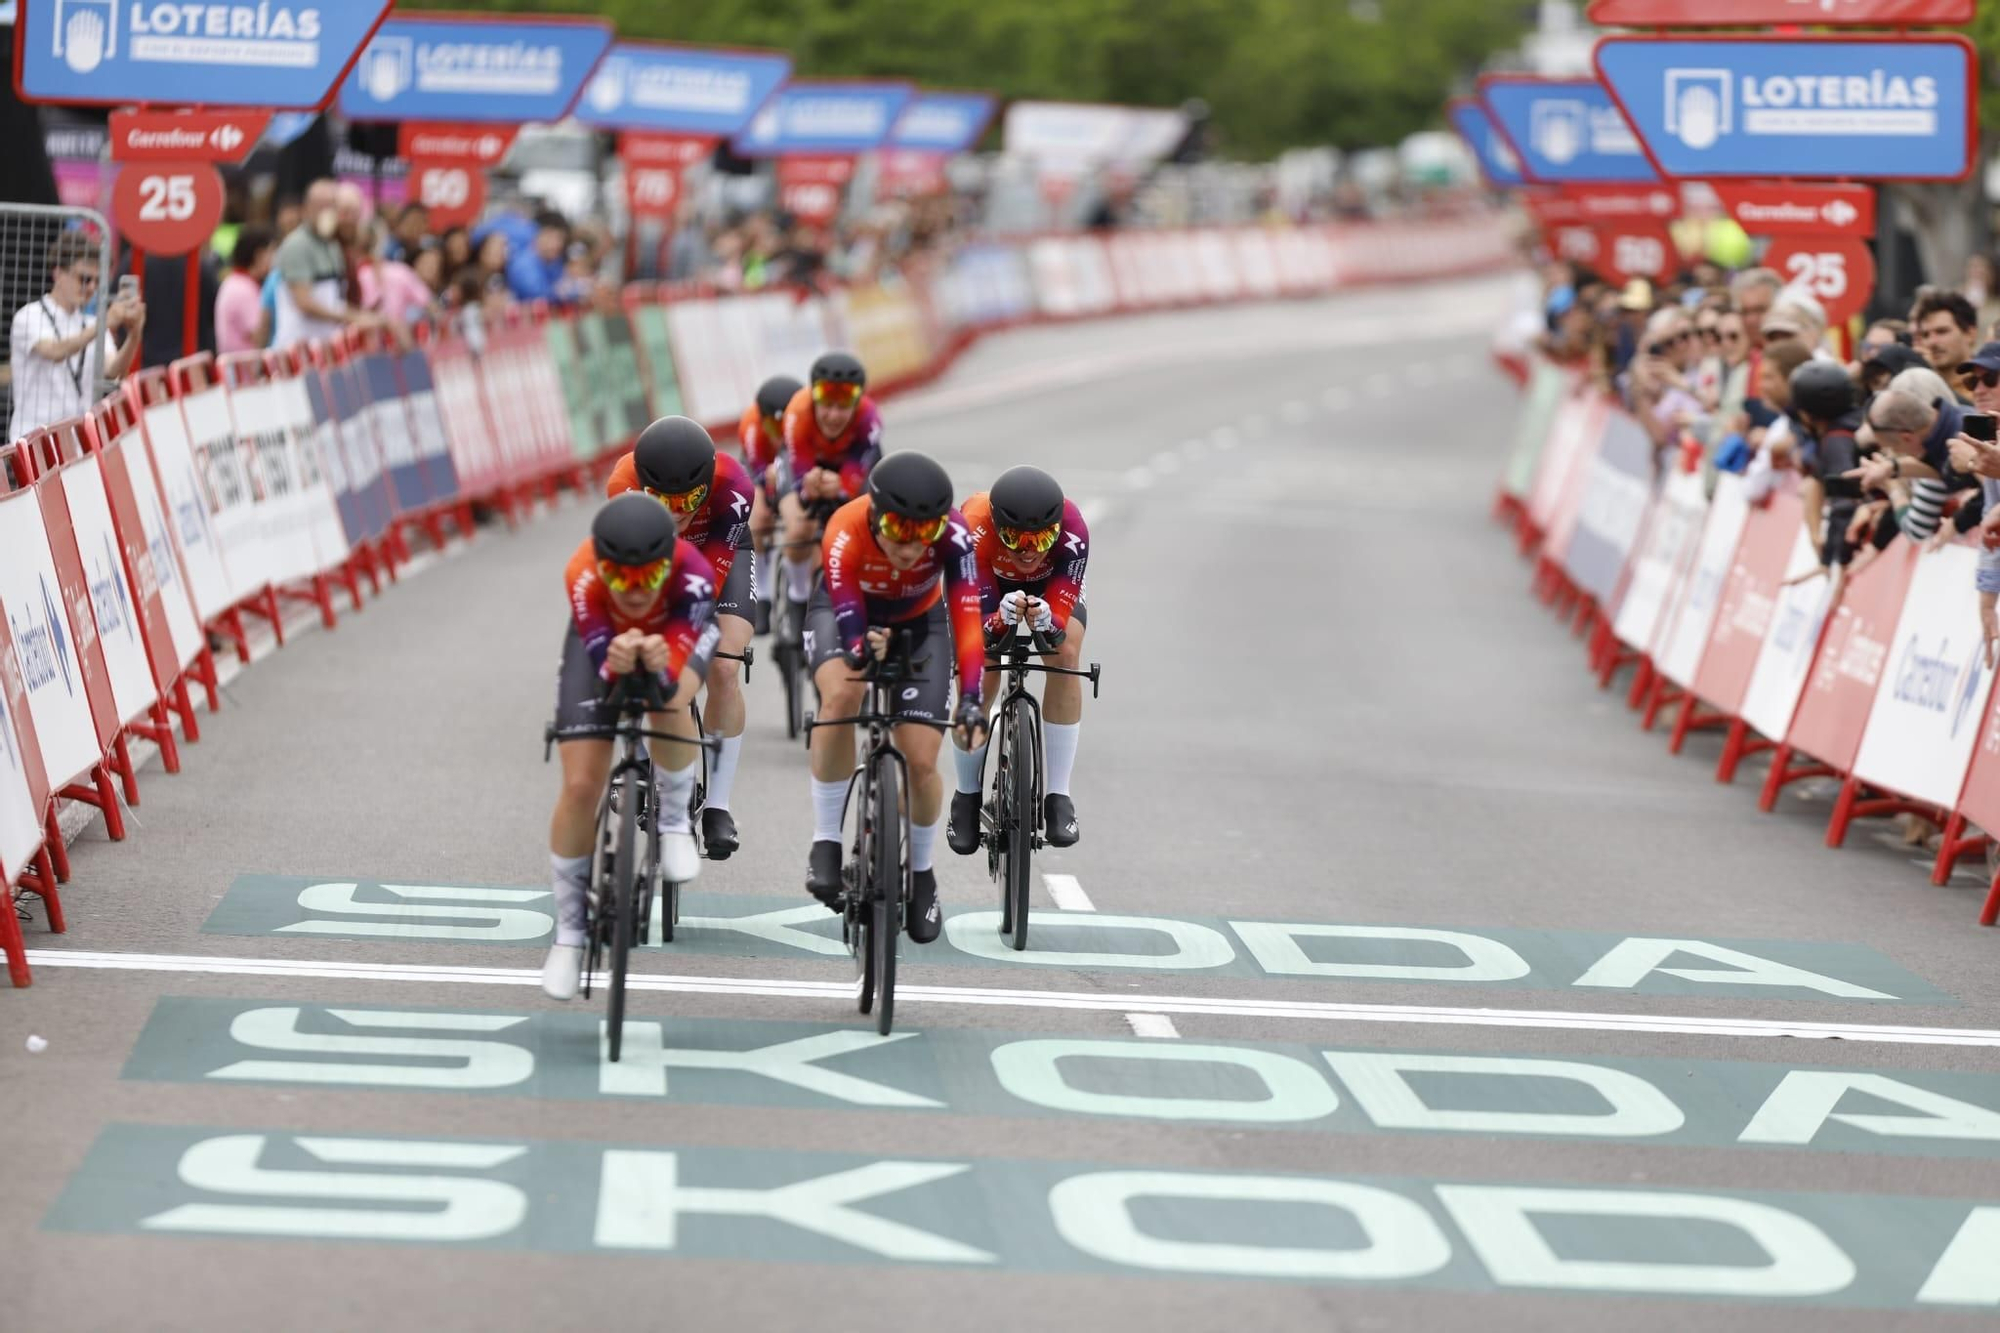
<point>1938,682</point>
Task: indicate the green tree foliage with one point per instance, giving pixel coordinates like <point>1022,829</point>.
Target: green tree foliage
<point>1276,73</point>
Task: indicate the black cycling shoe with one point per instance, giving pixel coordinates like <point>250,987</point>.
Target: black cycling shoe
<point>1059,820</point>
<point>925,918</point>
<point>823,874</point>
<point>962,833</point>
<point>718,834</point>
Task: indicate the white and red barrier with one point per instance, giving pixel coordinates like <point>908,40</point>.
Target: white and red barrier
<point>212,489</point>
<point>1720,605</point>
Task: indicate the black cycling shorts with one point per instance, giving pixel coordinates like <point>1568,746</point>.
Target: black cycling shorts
<point>739,591</point>
<point>926,692</point>
<point>580,690</point>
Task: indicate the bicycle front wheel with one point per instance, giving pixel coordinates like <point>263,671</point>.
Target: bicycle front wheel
<point>886,897</point>
<point>1019,830</point>
<point>624,919</point>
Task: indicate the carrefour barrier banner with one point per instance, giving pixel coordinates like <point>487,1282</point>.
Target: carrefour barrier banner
<point>361,491</point>
<point>1743,613</point>
<point>51,668</point>
<point>440,478</point>
<point>1841,688</point>
<point>447,68</point>
<point>943,122</point>
<point>24,788</point>
<point>1615,497</point>
<point>886,330</point>
<point>1672,530</point>
<point>193,527</point>
<point>225,486</point>
<point>394,435</point>
<point>1798,615</point>
<point>113,609</point>
<point>153,554</point>
<point>285,530</point>
<point>1927,714</point>
<point>1842,107</point>
<point>824,118</point>
<point>307,427</point>
<point>1680,651</point>
<point>1568,439</point>
<point>1565,130</point>
<point>255,53</point>
<point>656,356</point>
<point>1497,162</point>
<point>680,89</point>
<point>1546,387</point>
<point>602,387</point>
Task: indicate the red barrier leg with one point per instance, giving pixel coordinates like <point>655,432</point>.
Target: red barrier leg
<point>40,880</point>
<point>1642,683</point>
<point>433,525</point>
<point>466,520</point>
<point>1663,694</point>
<point>1732,751</point>
<point>121,764</point>
<point>12,944</point>
<point>1991,912</point>
<point>57,849</point>
<point>1843,813</point>
<point>1774,781</point>
<point>1683,722</point>
<point>1955,847</point>
<point>101,794</point>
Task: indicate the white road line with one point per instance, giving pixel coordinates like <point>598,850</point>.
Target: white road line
<point>1066,893</point>
<point>1326,1012</point>
<point>1151,1025</point>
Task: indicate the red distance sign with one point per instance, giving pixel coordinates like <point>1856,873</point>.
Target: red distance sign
<point>1574,242</point>
<point>1757,13</point>
<point>185,136</point>
<point>1550,207</point>
<point>1839,273</point>
<point>454,192</point>
<point>466,145</point>
<point>167,208</point>
<point>653,167</point>
<point>1638,249</point>
<point>1776,209</point>
<point>810,187</point>
<point>1599,203</point>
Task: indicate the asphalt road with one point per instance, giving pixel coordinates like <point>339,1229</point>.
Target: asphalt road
<point>299,1075</point>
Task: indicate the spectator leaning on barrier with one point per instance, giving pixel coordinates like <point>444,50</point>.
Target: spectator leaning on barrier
<point>539,272</point>
<point>56,339</point>
<point>1827,414</point>
<point>1796,315</point>
<point>241,322</point>
<point>1909,434</point>
<point>1945,326</point>
<point>1770,434</point>
<point>1754,292</point>
<point>311,266</point>
<point>413,224</point>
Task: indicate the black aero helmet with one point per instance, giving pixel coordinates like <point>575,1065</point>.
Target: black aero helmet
<point>775,394</point>
<point>1026,498</point>
<point>910,486</point>
<point>633,529</point>
<point>838,368</point>
<point>1821,389</point>
<point>674,455</point>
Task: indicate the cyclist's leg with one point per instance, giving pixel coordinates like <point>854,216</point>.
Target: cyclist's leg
<point>969,767</point>
<point>724,711</point>
<point>676,766</point>
<point>926,693</point>
<point>832,753</point>
<point>763,542</point>
<point>801,555</point>
<point>585,766</point>
<point>1062,725</point>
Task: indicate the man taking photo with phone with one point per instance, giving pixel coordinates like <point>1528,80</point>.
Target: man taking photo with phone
<point>58,344</point>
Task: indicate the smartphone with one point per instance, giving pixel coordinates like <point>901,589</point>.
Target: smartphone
<point>1981,426</point>
<point>128,287</point>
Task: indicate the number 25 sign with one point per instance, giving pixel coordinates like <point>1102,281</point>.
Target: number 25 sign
<point>1839,274</point>
<point>167,208</point>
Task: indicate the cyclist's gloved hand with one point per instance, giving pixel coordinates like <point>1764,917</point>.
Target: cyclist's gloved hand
<point>856,654</point>
<point>969,723</point>
<point>1010,607</point>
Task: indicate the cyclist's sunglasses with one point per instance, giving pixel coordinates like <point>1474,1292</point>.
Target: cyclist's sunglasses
<point>681,503</point>
<point>1024,539</point>
<point>635,578</point>
<point>898,528</point>
<point>835,394</point>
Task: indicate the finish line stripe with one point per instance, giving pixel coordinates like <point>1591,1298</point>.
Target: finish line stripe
<point>1040,999</point>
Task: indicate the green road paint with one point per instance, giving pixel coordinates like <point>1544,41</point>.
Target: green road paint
<point>811,1066</point>
<point>777,1206</point>
<point>735,926</point>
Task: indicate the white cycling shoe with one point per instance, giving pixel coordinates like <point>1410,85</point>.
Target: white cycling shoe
<point>679,862</point>
<point>562,971</point>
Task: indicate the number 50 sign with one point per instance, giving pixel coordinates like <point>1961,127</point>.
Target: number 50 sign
<point>1840,275</point>
<point>167,208</point>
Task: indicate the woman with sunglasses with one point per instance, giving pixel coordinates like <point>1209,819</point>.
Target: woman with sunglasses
<point>1030,545</point>
<point>898,557</point>
<point>708,494</point>
<point>833,436</point>
<point>639,599</point>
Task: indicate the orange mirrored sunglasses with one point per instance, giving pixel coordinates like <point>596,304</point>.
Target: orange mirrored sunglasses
<point>898,528</point>
<point>1038,540</point>
<point>682,503</point>
<point>635,578</point>
<point>835,394</point>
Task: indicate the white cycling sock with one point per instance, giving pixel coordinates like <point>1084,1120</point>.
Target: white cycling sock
<point>572,884</point>
<point>799,580</point>
<point>829,798</point>
<point>722,778</point>
<point>1059,754</point>
<point>923,841</point>
<point>676,787</point>
<point>970,765</point>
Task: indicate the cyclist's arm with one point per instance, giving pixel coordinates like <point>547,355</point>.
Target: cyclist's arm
<point>850,606</point>
<point>962,604</point>
<point>591,614</point>
<point>693,611</point>
<point>624,477</point>
<point>729,519</point>
<point>864,455</point>
<point>799,432</point>
<point>1071,555</point>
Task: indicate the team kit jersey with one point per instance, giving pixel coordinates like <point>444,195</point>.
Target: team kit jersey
<point>1057,580</point>
<point>683,615</point>
<point>760,449</point>
<point>721,527</point>
<point>852,454</point>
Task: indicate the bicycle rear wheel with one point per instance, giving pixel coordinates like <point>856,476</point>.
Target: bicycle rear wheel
<point>1019,830</point>
<point>885,902</point>
<point>624,918</point>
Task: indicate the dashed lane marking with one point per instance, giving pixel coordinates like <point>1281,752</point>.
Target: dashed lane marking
<point>843,991</point>
<point>1151,1025</point>
<point>1066,893</point>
